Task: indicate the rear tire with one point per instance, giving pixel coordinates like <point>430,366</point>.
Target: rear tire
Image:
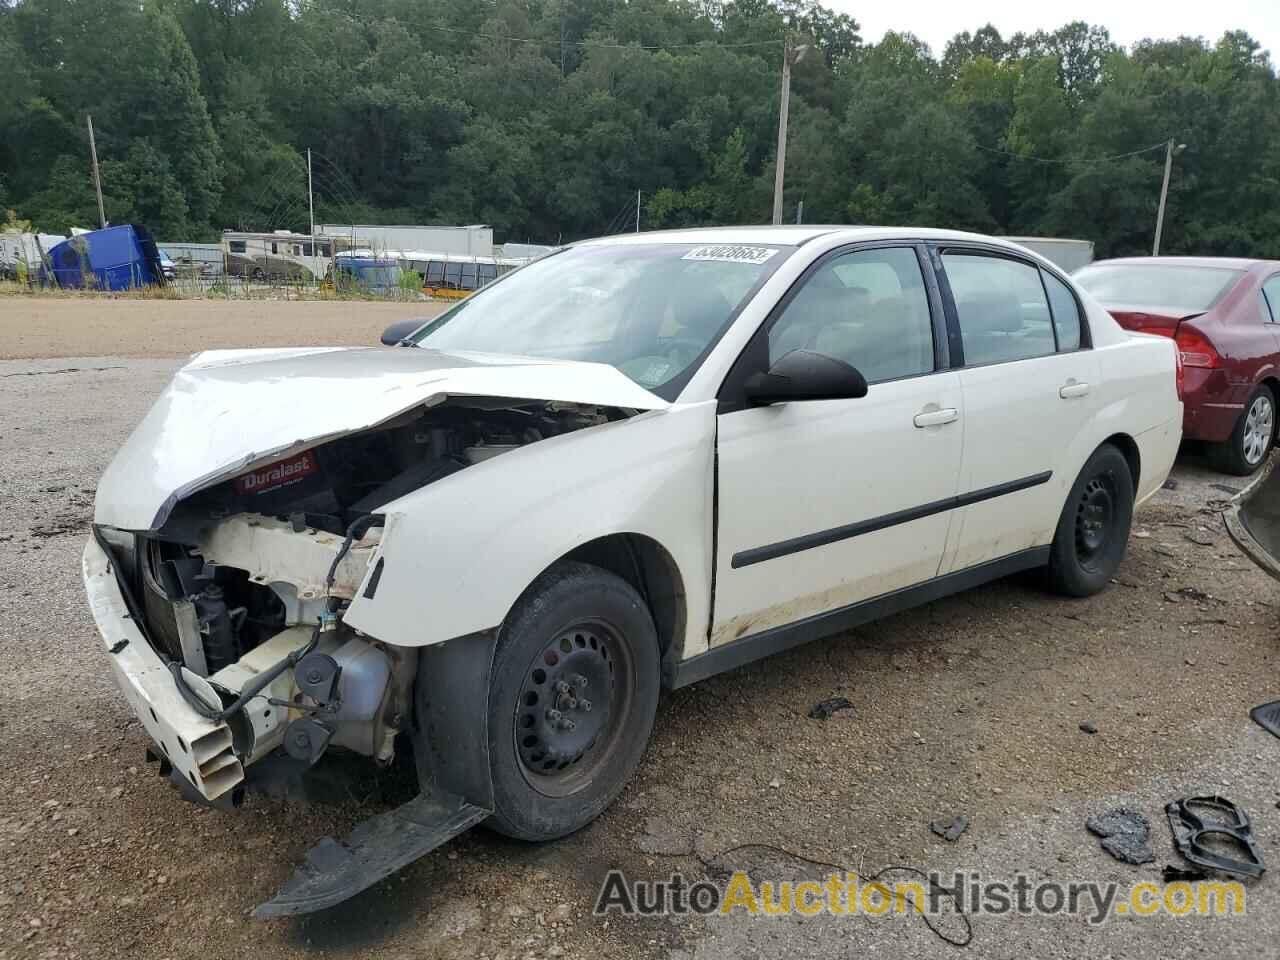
<point>1242,453</point>
<point>572,700</point>
<point>1093,529</point>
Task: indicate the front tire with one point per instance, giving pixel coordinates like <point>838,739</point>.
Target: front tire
<point>572,700</point>
<point>1093,529</point>
<point>1242,453</point>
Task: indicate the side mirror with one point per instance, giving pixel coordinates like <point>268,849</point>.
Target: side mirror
<point>392,336</point>
<point>805,375</point>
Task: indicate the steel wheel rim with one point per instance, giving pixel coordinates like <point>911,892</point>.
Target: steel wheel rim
<point>1095,518</point>
<point>1259,423</point>
<point>572,705</point>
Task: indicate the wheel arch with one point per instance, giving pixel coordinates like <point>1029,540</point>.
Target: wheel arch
<point>1272,383</point>
<point>648,566</point>
<point>1129,448</point>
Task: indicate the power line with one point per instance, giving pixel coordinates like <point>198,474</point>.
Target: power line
<point>1119,156</point>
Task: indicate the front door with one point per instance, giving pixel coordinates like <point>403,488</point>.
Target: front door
<point>822,504</point>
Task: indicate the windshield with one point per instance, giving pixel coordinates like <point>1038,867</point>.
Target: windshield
<point>1187,289</point>
<point>652,310</point>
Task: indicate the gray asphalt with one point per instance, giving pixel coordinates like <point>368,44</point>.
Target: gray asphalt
<point>968,706</point>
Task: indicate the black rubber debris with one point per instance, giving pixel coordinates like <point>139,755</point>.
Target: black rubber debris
<point>1204,828</point>
<point>378,847</point>
<point>950,830</point>
<point>824,710</point>
<point>1124,834</point>
<point>1172,874</point>
<point>1267,717</point>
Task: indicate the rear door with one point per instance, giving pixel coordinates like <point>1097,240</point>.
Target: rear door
<point>1029,382</point>
<point>824,503</point>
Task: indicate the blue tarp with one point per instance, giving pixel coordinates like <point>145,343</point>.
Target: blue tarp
<point>114,258</point>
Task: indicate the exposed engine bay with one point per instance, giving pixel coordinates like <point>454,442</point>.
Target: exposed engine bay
<point>333,484</point>
<point>243,589</point>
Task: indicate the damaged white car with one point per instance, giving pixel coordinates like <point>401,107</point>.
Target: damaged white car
<point>631,464</point>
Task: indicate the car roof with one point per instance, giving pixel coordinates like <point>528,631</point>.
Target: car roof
<point>795,235</point>
<point>1223,263</point>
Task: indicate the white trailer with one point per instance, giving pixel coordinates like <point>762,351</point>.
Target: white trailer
<point>22,254</point>
<point>1070,255</point>
<point>475,240</point>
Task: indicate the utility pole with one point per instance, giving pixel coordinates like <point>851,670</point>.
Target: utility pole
<point>1169,153</point>
<point>311,206</point>
<point>790,55</point>
<point>637,211</point>
<point>97,178</point>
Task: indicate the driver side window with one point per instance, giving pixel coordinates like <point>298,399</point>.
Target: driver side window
<point>868,308</point>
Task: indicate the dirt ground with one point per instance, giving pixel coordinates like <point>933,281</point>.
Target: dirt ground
<point>91,326</point>
<point>972,705</point>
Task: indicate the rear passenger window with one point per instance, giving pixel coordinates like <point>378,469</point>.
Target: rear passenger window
<point>1066,312</point>
<point>1001,306</point>
<point>1271,296</point>
<point>867,308</point>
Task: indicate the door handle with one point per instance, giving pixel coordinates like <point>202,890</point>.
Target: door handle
<point>1073,388</point>
<point>936,418</point>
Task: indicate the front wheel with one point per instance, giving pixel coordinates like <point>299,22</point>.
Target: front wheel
<point>1242,453</point>
<point>1094,526</point>
<point>572,699</point>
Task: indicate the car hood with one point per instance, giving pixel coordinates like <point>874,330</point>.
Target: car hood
<point>228,411</point>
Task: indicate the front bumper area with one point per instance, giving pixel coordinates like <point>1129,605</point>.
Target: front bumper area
<point>198,748</point>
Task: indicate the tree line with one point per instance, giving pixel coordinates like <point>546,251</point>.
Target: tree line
<point>545,117</point>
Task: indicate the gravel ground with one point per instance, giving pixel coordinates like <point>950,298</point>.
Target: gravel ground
<point>40,327</point>
<point>971,705</point>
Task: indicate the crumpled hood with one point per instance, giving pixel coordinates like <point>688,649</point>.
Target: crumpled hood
<point>229,410</point>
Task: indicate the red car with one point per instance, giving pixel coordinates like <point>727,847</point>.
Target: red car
<point>1224,315</point>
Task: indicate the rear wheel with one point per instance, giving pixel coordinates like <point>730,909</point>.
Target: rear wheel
<point>1094,526</point>
<point>572,700</point>
<point>1246,449</point>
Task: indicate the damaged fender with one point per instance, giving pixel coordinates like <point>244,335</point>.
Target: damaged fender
<point>455,556</point>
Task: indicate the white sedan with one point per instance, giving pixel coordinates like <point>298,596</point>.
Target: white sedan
<point>629,465</point>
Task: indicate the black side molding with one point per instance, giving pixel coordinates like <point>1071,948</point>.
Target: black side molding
<point>745,558</point>
<point>769,642</point>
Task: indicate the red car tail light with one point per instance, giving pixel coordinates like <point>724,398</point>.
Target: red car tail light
<point>1195,350</point>
<point>1180,372</point>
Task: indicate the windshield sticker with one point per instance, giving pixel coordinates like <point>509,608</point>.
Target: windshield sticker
<point>731,253</point>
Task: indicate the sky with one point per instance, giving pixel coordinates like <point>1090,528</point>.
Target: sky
<point>937,21</point>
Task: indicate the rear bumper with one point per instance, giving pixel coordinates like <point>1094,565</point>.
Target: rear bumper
<point>1211,405</point>
<point>1157,450</point>
<point>198,748</point>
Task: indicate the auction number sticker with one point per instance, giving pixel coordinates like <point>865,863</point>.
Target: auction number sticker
<point>731,253</point>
